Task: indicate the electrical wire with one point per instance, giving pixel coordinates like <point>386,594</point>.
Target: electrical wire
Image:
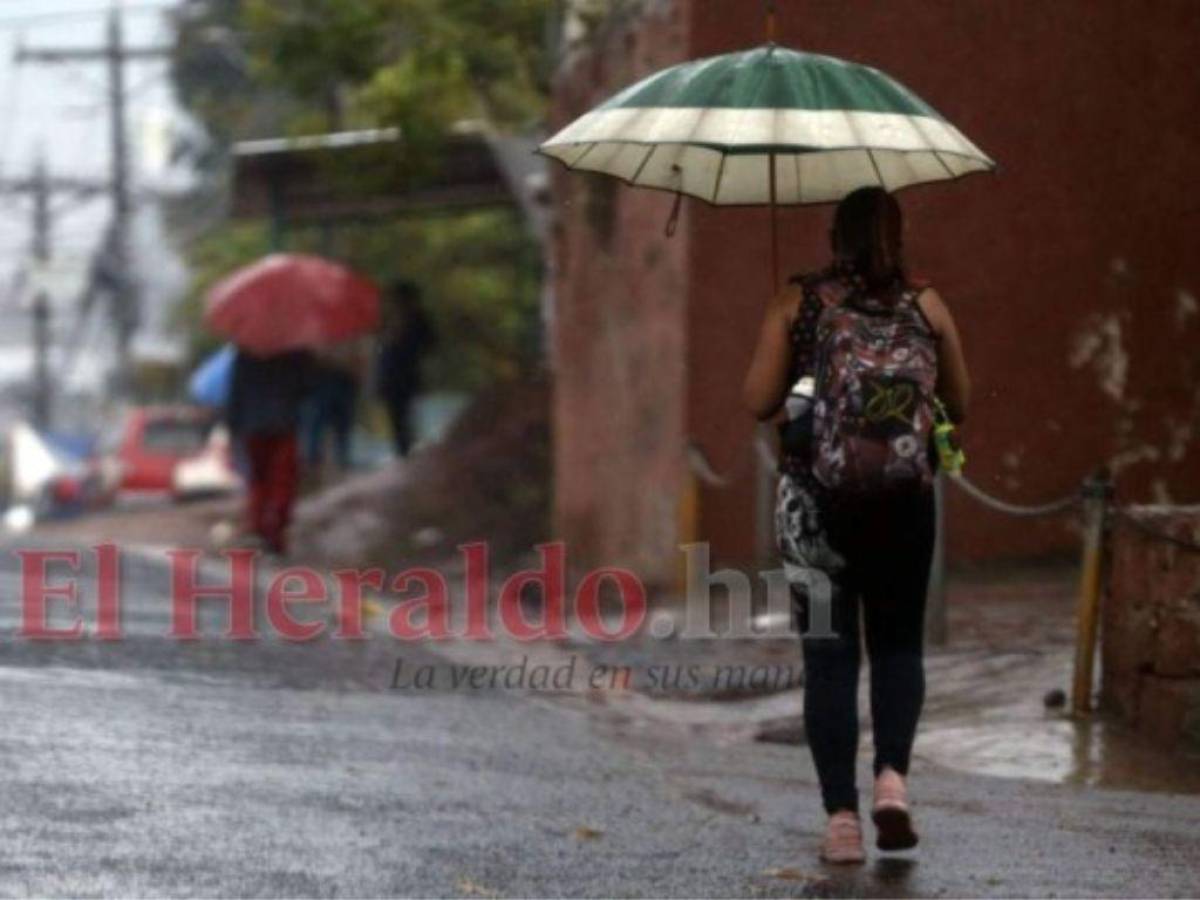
<point>35,19</point>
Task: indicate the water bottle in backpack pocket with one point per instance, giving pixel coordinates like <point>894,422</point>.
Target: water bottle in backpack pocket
<point>874,411</point>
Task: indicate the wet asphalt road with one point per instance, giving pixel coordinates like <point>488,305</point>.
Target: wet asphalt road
<point>153,767</point>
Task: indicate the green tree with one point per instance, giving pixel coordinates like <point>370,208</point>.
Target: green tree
<point>424,64</point>
<point>249,68</point>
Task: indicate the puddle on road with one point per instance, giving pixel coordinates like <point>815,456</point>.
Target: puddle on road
<point>985,715</point>
<point>984,711</point>
<point>1059,749</point>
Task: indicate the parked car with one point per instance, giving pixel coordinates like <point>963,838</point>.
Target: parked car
<point>152,441</point>
<point>210,473</point>
<point>47,476</point>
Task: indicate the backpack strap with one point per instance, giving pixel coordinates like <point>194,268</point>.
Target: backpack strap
<point>912,296</point>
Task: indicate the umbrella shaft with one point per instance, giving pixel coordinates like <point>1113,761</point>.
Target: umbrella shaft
<point>774,227</point>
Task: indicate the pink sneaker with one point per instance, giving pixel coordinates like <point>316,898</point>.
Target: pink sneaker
<point>843,839</point>
<point>893,822</point>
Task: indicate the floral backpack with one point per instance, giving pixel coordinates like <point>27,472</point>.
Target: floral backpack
<point>876,372</point>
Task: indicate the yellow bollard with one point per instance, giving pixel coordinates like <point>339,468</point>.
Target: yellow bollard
<point>1096,493</point>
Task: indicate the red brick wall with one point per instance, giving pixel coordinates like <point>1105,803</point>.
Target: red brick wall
<point>618,329</point>
<point>1069,271</point>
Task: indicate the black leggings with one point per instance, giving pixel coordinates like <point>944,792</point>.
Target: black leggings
<point>887,544</point>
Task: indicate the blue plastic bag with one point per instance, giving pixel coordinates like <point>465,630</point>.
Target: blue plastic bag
<point>211,382</point>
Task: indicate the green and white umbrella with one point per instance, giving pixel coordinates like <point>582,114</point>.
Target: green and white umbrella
<point>768,126</point>
<point>711,128</point>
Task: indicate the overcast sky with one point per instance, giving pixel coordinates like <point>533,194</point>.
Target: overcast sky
<point>62,111</point>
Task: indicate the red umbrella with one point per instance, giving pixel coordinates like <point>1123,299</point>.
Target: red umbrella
<point>290,302</point>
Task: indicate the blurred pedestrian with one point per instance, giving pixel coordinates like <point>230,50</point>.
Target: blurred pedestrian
<point>331,407</point>
<point>858,353</point>
<point>405,338</point>
<point>265,398</point>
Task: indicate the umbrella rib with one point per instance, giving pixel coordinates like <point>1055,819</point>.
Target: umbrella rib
<point>720,175</point>
<point>917,125</point>
<point>938,157</point>
<point>577,160</point>
<point>875,166</point>
<point>642,164</point>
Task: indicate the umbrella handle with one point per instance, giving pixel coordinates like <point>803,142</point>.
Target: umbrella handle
<point>673,220</point>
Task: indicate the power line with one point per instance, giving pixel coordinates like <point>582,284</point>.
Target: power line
<point>15,23</point>
<point>114,55</point>
<point>104,5</point>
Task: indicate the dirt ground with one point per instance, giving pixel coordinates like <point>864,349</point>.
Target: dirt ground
<point>156,522</point>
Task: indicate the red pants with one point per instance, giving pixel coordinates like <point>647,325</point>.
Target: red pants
<point>274,475</point>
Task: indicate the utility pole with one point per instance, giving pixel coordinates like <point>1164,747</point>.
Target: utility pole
<point>42,188</point>
<point>125,312</point>
<point>42,401</point>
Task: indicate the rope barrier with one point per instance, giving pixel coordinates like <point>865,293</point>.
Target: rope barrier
<point>1094,497</point>
<point>1014,509</point>
<point>766,454</point>
<point>700,466</point>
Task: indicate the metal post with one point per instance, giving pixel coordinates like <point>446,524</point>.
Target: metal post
<point>42,188</point>
<point>936,626</point>
<point>41,302</point>
<point>126,303</point>
<point>765,481</point>
<point>1097,491</point>
<point>114,55</point>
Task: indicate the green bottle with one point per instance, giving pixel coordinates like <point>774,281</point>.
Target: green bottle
<point>950,454</point>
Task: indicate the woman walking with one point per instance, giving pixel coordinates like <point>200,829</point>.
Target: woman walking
<point>263,414</point>
<point>862,359</point>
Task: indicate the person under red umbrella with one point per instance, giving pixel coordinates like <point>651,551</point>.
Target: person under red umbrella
<point>276,312</point>
<point>291,301</point>
<point>263,414</point>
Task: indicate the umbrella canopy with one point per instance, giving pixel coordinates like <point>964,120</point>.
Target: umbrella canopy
<point>290,302</point>
<point>767,126</point>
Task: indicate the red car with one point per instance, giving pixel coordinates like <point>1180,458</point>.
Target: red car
<point>152,441</point>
